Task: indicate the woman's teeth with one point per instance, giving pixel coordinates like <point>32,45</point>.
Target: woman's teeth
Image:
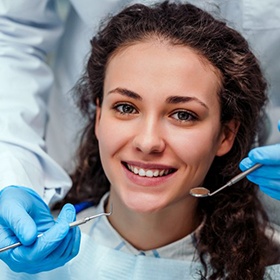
<point>148,172</point>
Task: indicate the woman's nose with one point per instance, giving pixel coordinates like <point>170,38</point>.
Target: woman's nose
<point>149,138</point>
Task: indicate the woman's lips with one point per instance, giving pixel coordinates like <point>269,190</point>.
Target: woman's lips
<point>147,176</point>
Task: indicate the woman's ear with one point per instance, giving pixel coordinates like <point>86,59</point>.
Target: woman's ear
<point>97,117</point>
<point>227,137</point>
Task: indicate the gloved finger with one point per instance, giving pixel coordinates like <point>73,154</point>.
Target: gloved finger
<point>15,217</point>
<point>35,206</point>
<point>50,239</point>
<point>246,163</point>
<point>22,210</point>
<point>279,125</point>
<point>265,171</point>
<point>71,244</point>
<point>266,155</point>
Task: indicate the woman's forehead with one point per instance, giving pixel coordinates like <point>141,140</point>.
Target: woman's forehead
<point>156,67</point>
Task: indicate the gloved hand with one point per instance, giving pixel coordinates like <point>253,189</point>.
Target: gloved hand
<point>23,215</point>
<point>268,175</point>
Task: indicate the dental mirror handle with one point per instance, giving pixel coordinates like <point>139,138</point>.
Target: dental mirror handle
<point>244,174</point>
<point>237,178</point>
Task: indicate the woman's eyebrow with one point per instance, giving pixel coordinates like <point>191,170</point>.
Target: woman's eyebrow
<point>171,99</point>
<point>184,99</point>
<point>126,92</point>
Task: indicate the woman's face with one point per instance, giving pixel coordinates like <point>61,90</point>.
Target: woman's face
<point>159,125</point>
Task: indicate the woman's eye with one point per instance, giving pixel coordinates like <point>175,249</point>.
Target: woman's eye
<point>125,109</point>
<point>184,116</point>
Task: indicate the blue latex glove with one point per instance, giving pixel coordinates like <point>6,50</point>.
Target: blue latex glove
<point>268,175</point>
<point>23,215</point>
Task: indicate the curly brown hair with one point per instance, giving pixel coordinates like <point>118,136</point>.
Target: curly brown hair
<point>232,238</point>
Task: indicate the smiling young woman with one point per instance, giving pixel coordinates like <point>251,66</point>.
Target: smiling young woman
<point>163,113</point>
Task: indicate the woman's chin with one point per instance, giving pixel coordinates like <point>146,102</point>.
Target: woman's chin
<point>145,206</point>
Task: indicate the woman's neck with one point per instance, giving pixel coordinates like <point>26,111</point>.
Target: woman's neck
<point>146,231</point>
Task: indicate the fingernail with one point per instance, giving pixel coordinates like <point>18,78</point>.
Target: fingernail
<point>70,212</point>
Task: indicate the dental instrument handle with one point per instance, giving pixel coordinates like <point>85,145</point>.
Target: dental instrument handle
<point>85,220</point>
<point>71,225</point>
<point>237,178</point>
<point>244,174</point>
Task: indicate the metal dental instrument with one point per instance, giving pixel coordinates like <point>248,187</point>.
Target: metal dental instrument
<point>203,192</point>
<point>71,225</point>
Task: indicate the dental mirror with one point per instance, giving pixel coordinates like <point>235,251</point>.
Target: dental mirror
<point>203,192</point>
